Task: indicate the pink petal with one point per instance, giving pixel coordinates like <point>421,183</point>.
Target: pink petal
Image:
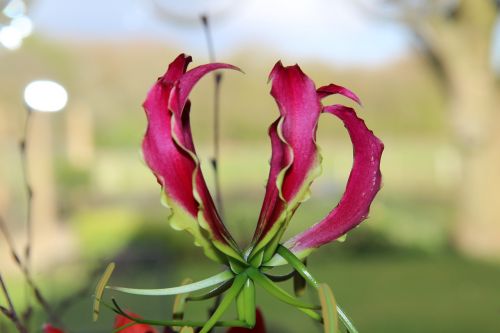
<point>183,137</point>
<point>272,202</point>
<point>170,153</point>
<point>333,89</point>
<point>121,321</point>
<point>160,152</point>
<point>187,82</point>
<point>294,151</point>
<point>363,184</point>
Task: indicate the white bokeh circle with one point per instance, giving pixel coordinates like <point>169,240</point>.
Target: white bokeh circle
<point>45,96</point>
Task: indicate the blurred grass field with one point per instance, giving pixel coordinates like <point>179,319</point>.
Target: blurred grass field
<point>383,290</point>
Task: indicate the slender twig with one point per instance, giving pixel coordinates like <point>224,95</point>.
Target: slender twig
<point>23,151</point>
<point>208,36</point>
<point>54,318</point>
<point>216,122</point>
<point>10,244</point>
<point>10,312</point>
<point>216,135</point>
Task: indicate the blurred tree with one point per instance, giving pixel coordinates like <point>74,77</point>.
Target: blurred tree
<point>456,37</point>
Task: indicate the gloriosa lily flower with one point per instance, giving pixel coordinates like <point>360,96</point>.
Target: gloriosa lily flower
<point>170,153</point>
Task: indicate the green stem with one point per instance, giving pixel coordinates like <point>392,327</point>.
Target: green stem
<point>209,282</point>
<point>240,305</point>
<point>212,293</point>
<point>275,290</point>
<point>249,292</point>
<point>304,272</point>
<point>346,321</point>
<point>238,284</point>
<point>119,329</point>
<point>298,265</point>
<point>169,323</point>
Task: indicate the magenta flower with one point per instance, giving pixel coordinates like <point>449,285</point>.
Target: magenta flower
<point>169,151</point>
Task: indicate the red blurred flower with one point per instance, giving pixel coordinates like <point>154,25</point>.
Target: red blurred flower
<point>48,328</point>
<point>121,321</point>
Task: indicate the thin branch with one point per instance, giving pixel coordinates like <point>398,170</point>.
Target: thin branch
<point>53,317</point>
<point>10,243</point>
<point>11,311</point>
<point>216,106</point>
<point>216,136</point>
<point>23,151</point>
<point>208,35</point>
<point>7,295</point>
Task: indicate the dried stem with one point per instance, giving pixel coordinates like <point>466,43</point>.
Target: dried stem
<point>53,317</point>
<point>216,135</point>
<point>10,312</point>
<point>216,123</point>
<point>23,151</point>
<point>10,243</point>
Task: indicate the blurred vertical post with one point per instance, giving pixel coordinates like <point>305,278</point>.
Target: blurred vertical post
<point>79,138</point>
<point>41,97</point>
<point>456,39</point>
<point>41,175</point>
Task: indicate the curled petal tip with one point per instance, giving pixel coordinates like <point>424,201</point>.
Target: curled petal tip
<point>176,68</point>
<point>333,89</point>
<point>236,68</point>
<point>278,66</point>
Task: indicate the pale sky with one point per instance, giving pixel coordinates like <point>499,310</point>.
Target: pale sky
<point>335,31</point>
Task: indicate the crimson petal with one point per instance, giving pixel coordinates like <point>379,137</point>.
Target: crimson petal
<point>363,184</point>
<point>295,161</point>
<point>259,327</point>
<point>121,321</point>
<point>333,89</point>
<point>170,153</point>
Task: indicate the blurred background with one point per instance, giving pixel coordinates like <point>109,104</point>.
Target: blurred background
<point>427,72</point>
